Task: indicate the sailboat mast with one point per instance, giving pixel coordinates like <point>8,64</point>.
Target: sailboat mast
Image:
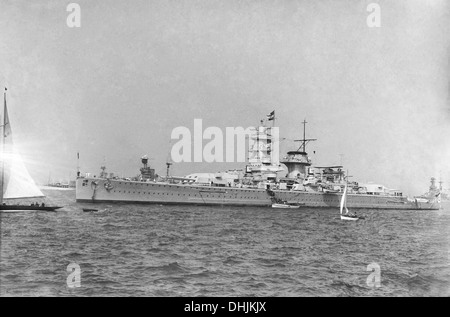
<point>3,144</point>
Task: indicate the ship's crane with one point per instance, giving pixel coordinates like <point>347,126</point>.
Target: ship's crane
<point>169,160</point>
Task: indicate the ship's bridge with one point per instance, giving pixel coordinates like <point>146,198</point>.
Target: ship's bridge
<point>297,157</point>
<point>298,161</point>
<point>262,160</point>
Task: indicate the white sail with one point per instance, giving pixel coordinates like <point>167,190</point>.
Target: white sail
<point>19,183</point>
<point>15,181</point>
<point>344,201</point>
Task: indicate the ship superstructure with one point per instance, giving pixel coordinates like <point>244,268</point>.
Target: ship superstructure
<point>259,184</point>
<point>434,193</point>
<point>297,161</point>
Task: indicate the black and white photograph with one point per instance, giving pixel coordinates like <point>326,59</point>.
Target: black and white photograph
<point>222,153</point>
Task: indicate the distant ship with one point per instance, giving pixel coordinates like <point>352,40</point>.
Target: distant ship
<point>57,186</point>
<point>444,192</point>
<point>257,185</point>
<point>60,185</point>
<point>69,184</point>
<point>437,193</point>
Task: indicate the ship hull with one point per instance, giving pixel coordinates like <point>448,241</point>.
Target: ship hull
<point>7,208</point>
<point>94,190</point>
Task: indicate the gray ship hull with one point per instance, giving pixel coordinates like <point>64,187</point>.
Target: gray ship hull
<point>110,190</point>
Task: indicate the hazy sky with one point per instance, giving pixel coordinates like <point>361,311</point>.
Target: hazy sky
<point>115,88</point>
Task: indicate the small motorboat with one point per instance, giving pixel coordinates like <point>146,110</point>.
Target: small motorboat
<point>89,209</point>
<point>284,205</point>
<point>96,210</point>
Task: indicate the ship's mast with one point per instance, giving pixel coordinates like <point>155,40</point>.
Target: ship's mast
<point>78,164</point>
<point>304,135</point>
<point>103,174</point>
<point>168,160</point>
<point>304,140</point>
<point>298,161</point>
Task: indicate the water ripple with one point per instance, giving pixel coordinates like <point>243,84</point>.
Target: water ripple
<point>153,250</point>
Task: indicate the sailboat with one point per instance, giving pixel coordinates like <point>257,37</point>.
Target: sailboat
<point>16,183</point>
<point>346,215</point>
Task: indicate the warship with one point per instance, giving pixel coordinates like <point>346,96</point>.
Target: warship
<point>434,193</point>
<point>258,184</point>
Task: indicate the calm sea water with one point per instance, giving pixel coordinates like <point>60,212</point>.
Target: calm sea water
<point>154,250</point>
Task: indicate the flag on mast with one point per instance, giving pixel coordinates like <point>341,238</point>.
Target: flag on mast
<point>271,116</point>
